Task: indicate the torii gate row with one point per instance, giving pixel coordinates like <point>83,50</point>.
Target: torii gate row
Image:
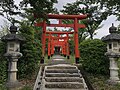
<point>75,26</point>
<point>64,47</point>
<point>54,41</point>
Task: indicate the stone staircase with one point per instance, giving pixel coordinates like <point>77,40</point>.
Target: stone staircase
<point>62,77</point>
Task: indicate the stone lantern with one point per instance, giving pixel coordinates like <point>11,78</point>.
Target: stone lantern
<point>113,53</point>
<point>12,54</point>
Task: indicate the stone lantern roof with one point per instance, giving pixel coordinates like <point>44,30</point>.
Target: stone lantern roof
<point>13,29</point>
<point>13,36</point>
<point>113,36</point>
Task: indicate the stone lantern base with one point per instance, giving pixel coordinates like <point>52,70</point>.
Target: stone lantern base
<point>114,77</point>
<point>112,82</point>
<point>13,85</point>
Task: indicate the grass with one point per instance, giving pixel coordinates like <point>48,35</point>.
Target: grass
<point>46,59</point>
<point>26,88</point>
<point>2,87</point>
<point>72,59</point>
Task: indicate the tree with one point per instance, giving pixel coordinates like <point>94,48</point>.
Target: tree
<point>93,56</point>
<point>96,15</point>
<point>3,63</point>
<point>31,50</point>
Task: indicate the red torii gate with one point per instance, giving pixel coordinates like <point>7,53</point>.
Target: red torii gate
<point>76,25</point>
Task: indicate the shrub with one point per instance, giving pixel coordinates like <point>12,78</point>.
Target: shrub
<point>92,54</point>
<point>31,51</point>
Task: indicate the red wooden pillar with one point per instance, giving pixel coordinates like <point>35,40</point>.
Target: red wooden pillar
<point>58,37</point>
<point>49,41</point>
<point>68,52</point>
<point>65,46</point>
<point>77,55</point>
<point>52,46</point>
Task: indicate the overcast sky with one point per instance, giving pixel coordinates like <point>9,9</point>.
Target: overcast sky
<point>100,33</point>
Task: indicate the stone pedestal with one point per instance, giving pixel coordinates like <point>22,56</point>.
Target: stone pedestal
<point>12,82</point>
<point>113,57</point>
<point>114,70</point>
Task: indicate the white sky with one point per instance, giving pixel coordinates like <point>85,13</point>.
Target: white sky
<point>100,33</point>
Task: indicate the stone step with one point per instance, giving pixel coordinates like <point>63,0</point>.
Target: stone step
<point>62,75</point>
<point>56,62</point>
<point>63,79</point>
<point>58,58</point>
<point>60,89</point>
<point>61,70</point>
<point>64,85</point>
<point>62,67</point>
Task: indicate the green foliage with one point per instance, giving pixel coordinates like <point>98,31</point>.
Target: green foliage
<point>31,50</point>
<point>2,87</point>
<point>92,54</point>
<point>3,63</point>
